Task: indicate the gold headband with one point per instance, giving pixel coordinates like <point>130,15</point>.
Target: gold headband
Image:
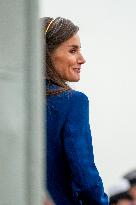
<point>49,25</point>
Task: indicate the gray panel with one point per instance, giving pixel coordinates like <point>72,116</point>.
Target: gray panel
<point>21,104</point>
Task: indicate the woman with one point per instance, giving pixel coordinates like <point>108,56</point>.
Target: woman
<point>72,177</point>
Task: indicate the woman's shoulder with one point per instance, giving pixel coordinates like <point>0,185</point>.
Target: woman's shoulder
<point>69,103</point>
<point>69,98</point>
<point>77,96</point>
<point>71,95</point>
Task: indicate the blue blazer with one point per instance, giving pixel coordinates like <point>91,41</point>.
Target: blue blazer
<point>72,176</point>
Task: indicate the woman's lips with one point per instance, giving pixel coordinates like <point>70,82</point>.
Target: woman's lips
<point>77,70</point>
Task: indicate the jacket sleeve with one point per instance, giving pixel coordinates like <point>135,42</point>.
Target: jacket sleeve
<point>86,182</point>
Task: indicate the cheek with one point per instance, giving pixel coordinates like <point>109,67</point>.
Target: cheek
<point>58,60</point>
<point>60,65</point>
<point>64,63</point>
<point>70,62</point>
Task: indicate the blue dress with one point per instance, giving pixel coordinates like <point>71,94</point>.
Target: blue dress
<point>72,176</point>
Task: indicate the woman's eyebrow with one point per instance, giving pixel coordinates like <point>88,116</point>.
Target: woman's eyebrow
<point>75,46</point>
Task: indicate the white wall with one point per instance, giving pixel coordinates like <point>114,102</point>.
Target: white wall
<point>108,38</point>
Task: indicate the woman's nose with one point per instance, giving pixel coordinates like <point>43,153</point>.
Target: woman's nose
<point>81,59</point>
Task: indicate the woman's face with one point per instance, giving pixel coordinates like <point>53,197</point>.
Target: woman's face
<point>67,59</point>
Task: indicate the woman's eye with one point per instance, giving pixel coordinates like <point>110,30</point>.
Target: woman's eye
<point>73,51</point>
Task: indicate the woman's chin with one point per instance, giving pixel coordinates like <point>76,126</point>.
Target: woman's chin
<point>75,78</point>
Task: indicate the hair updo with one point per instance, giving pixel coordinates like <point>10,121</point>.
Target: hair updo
<point>55,32</point>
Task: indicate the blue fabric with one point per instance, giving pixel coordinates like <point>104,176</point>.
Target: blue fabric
<point>72,177</point>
